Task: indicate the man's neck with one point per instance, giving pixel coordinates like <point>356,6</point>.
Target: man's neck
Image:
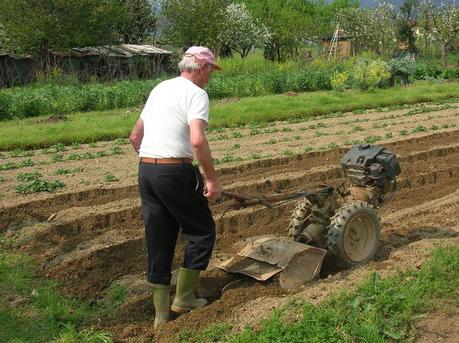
<point>192,77</point>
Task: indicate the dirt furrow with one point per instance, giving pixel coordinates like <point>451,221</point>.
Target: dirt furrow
<point>258,177</point>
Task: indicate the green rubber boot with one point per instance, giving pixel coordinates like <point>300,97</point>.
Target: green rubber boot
<point>185,300</point>
<point>161,302</point>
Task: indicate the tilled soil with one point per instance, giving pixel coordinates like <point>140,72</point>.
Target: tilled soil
<point>92,238</point>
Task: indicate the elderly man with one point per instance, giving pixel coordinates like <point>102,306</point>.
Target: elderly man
<point>168,134</point>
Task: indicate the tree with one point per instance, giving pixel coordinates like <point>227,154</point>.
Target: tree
<point>370,29</point>
<point>3,37</point>
<point>406,23</point>
<point>41,26</point>
<point>240,31</point>
<point>286,21</point>
<point>139,20</point>
<point>193,22</point>
<point>321,17</point>
<point>442,23</point>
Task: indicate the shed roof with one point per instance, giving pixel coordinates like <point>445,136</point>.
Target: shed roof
<point>123,50</point>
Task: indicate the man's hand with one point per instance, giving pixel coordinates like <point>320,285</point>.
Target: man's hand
<point>137,135</point>
<point>212,190</point>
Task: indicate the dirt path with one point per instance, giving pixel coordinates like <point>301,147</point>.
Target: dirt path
<point>92,237</point>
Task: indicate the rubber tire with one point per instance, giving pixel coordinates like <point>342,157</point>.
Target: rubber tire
<point>298,219</point>
<point>337,229</point>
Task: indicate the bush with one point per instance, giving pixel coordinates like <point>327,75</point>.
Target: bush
<point>339,80</point>
<point>52,98</point>
<point>424,71</point>
<point>402,68</point>
<point>368,74</point>
<point>451,73</point>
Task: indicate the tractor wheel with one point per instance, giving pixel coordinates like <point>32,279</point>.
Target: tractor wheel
<point>299,219</point>
<point>353,234</point>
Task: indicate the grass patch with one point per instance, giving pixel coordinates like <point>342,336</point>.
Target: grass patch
<point>379,310</point>
<point>256,111</point>
<point>32,310</point>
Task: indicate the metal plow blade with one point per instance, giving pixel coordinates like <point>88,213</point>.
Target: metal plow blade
<point>267,256</point>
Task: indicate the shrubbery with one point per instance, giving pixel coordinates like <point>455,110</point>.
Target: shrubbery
<point>240,78</point>
<point>44,99</point>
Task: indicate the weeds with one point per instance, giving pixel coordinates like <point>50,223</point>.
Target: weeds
<point>320,133</point>
<point>419,128</point>
<point>117,151</point>
<point>379,310</point>
<point>235,147</point>
<point>254,132</point>
<point>21,153</point>
<point>76,145</point>
<point>111,178</point>
<point>227,159</point>
<point>404,133</point>
<point>121,141</point>
<point>236,134</point>
<point>39,186</point>
<point>57,158</point>
<point>332,146</point>
<point>351,142</point>
<point>44,314</point>
<point>271,130</point>
<point>287,152</point>
<point>27,163</point>
<point>101,153</point>
<point>2,179</point>
<point>26,177</point>
<point>372,139</point>
<point>59,147</point>
<point>426,109</point>
<point>8,166</point>
<point>388,135</point>
<point>379,125</point>
<point>63,171</point>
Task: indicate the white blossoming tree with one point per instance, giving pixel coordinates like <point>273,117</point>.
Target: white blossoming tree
<point>369,29</point>
<point>241,31</point>
<point>442,23</point>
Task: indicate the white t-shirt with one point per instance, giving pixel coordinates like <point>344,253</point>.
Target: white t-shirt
<point>169,110</point>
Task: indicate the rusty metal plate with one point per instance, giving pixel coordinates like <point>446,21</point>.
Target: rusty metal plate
<point>259,270</point>
<point>302,268</point>
<point>273,250</point>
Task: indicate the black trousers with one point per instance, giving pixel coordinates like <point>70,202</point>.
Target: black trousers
<point>172,199</point>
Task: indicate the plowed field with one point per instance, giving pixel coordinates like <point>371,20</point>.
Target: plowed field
<point>90,235</point>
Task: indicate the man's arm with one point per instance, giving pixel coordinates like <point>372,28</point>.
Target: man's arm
<point>202,152</point>
<point>137,135</point>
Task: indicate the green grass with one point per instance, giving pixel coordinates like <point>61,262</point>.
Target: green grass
<point>33,310</point>
<point>379,310</point>
<point>256,111</point>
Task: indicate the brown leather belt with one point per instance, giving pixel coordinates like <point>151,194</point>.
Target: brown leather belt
<point>165,160</point>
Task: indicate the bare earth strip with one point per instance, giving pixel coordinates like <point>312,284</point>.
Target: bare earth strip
<point>87,167</point>
<point>90,236</point>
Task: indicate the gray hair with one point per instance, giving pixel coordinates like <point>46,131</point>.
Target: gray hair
<point>189,64</point>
